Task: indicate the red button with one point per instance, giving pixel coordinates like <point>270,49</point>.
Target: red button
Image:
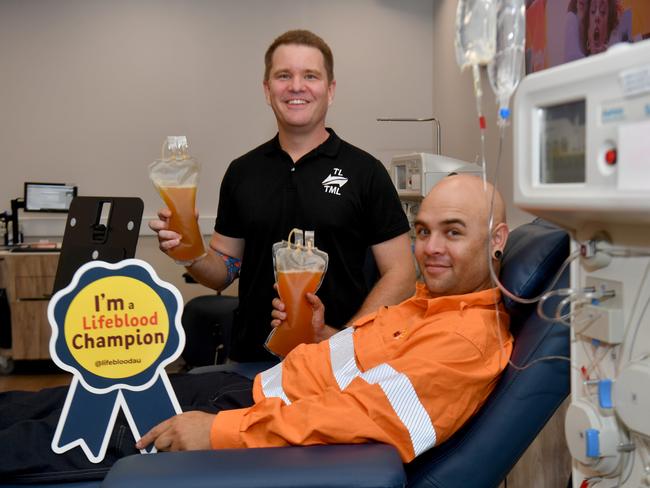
<point>610,156</point>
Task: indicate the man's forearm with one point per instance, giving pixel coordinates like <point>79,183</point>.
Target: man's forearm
<point>210,271</point>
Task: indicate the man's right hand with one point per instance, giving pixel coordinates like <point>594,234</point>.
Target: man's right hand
<point>322,331</point>
<point>167,239</point>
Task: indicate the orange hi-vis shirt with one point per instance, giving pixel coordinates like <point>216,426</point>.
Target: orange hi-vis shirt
<point>409,375</point>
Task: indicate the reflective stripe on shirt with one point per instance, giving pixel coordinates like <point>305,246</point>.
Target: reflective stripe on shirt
<point>344,366</point>
<point>396,386</point>
<point>272,383</point>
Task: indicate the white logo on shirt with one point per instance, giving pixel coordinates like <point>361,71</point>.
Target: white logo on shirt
<point>334,182</point>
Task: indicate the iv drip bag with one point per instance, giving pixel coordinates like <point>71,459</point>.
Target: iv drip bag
<point>475,32</point>
<point>504,71</point>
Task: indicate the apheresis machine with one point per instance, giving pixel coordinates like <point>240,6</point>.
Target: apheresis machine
<point>582,160</point>
<point>414,174</point>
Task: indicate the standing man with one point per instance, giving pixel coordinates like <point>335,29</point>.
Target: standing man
<point>305,177</point>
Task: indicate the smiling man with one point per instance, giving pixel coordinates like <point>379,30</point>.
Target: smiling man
<point>305,177</point>
<point>451,233</point>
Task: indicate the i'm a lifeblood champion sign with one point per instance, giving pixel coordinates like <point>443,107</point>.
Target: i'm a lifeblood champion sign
<point>115,328</point>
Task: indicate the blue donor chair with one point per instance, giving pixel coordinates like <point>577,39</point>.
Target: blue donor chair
<point>479,455</point>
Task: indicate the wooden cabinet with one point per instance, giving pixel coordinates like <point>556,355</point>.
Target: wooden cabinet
<point>28,279</point>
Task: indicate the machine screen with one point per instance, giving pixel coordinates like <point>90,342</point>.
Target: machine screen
<point>562,143</point>
<point>400,176</point>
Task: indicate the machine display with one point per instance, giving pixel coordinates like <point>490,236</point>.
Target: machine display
<point>581,160</point>
<point>562,143</point>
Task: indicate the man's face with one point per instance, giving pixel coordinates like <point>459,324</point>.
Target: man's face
<point>450,245</point>
<point>597,33</point>
<point>298,89</point>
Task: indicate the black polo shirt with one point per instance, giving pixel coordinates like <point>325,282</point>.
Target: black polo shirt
<point>341,192</point>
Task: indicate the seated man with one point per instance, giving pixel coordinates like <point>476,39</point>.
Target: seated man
<point>408,375</point>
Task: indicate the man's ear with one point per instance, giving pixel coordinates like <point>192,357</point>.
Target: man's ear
<point>499,237</point>
<point>267,92</point>
<point>331,89</point>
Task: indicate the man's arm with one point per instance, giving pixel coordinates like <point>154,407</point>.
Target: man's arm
<point>397,275</point>
<point>212,270</point>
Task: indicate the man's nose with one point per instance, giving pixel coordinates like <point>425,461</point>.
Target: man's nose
<point>296,83</point>
<point>435,244</point>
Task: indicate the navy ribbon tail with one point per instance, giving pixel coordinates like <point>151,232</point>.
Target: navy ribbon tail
<point>88,418</point>
<point>149,407</point>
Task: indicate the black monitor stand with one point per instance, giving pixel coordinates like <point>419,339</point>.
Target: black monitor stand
<point>16,237</point>
<point>98,228</point>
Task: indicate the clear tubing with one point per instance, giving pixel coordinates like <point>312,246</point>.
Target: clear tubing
<point>627,459</point>
<point>495,278</point>
<point>503,289</point>
<point>478,94</point>
<point>633,310</point>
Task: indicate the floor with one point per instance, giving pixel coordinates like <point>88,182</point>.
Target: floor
<point>34,375</point>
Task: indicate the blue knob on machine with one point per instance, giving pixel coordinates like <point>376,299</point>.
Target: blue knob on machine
<point>605,394</point>
<point>593,444</point>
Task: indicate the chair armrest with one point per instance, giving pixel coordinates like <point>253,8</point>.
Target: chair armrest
<point>344,466</point>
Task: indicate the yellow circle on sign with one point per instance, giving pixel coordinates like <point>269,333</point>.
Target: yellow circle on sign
<point>116,327</point>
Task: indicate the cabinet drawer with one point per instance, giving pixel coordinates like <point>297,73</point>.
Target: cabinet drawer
<point>33,287</point>
<point>34,264</point>
<point>30,330</point>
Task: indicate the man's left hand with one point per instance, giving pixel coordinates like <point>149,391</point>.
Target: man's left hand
<point>187,431</point>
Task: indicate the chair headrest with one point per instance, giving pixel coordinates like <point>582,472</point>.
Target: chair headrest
<point>532,256</point>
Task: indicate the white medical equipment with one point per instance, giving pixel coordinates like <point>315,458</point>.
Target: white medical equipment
<point>414,174</point>
<point>582,160</point>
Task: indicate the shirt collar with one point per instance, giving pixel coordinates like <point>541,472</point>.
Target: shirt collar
<point>423,298</point>
<point>330,147</point>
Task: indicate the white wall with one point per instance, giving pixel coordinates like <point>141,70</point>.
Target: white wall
<point>89,89</point>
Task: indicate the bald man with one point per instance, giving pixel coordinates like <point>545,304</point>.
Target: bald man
<point>409,375</point>
<point>436,354</point>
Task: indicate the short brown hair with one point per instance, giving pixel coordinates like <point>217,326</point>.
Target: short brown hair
<point>300,37</point>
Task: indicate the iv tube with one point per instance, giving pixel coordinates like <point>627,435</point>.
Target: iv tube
<point>495,278</point>
<point>527,301</point>
<point>475,44</point>
<point>478,94</point>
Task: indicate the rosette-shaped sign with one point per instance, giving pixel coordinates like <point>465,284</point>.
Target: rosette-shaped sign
<point>114,327</point>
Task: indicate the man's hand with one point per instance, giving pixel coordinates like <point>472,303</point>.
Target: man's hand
<point>321,330</point>
<point>187,431</point>
<point>167,239</point>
